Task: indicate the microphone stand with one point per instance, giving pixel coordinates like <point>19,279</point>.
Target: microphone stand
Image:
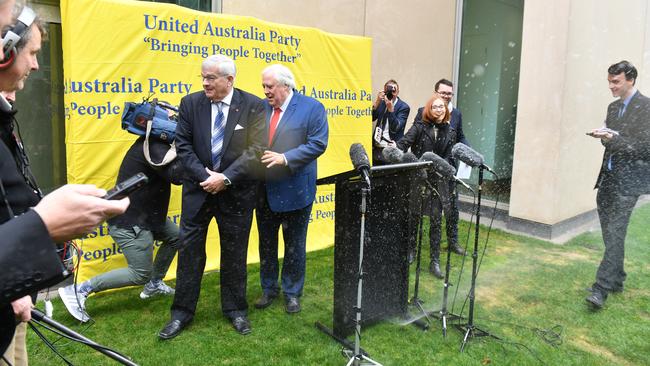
<point>443,314</point>
<point>359,358</point>
<point>40,316</point>
<point>471,331</point>
<point>415,300</point>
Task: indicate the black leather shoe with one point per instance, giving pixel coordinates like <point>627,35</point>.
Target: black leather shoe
<point>264,301</point>
<point>596,299</point>
<point>292,305</point>
<point>457,249</point>
<point>172,329</point>
<point>242,325</point>
<point>434,269</point>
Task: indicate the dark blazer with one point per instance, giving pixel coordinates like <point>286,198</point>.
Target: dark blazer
<point>302,137</point>
<point>244,141</point>
<point>396,119</point>
<point>630,150</point>
<point>421,138</point>
<point>26,249</point>
<point>456,122</point>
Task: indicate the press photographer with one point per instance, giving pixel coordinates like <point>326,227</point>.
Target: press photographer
<point>146,219</point>
<point>27,251</point>
<point>389,114</point>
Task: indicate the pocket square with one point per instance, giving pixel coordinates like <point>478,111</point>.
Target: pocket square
<point>239,127</point>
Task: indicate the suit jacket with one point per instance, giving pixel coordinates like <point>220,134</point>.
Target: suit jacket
<point>396,120</point>
<point>244,141</point>
<point>27,254</point>
<point>630,150</point>
<point>302,137</point>
<point>456,122</point>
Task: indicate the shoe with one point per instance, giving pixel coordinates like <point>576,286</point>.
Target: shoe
<point>74,302</point>
<point>172,329</point>
<point>434,269</point>
<point>596,299</point>
<point>242,325</point>
<point>264,301</point>
<point>458,250</point>
<point>292,305</point>
<point>155,288</point>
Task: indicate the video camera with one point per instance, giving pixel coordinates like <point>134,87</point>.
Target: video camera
<point>161,115</point>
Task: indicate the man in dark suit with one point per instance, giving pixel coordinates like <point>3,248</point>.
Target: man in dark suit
<point>445,89</point>
<point>624,174</point>
<point>27,250</point>
<point>389,114</point>
<point>219,136</point>
<point>297,135</point>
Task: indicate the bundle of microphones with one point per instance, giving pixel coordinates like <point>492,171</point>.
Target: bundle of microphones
<point>440,167</point>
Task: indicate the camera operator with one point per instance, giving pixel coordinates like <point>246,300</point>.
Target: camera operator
<point>135,231</point>
<point>28,235</point>
<point>389,114</point>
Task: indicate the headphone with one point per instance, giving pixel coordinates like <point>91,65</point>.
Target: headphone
<point>14,35</point>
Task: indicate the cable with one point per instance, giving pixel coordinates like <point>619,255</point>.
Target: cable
<point>49,344</point>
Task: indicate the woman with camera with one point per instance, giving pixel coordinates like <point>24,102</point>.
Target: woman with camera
<point>432,132</point>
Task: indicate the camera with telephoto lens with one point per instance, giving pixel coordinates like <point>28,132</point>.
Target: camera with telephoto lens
<point>390,90</point>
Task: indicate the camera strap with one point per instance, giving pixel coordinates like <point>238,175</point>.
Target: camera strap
<point>170,155</point>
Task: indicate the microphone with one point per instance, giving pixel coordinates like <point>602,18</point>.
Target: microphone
<point>360,161</point>
<point>409,157</point>
<point>392,154</point>
<point>469,156</point>
<point>443,168</point>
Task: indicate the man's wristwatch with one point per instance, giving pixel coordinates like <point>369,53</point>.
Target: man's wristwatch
<point>227,181</point>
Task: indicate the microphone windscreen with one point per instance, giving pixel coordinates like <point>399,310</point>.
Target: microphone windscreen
<point>359,157</point>
<point>392,154</point>
<point>409,157</point>
<point>467,155</point>
<point>440,165</point>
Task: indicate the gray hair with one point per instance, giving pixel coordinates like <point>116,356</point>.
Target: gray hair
<point>224,64</point>
<point>282,75</point>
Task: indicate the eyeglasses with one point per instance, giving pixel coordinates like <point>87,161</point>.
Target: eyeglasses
<point>210,78</point>
<point>446,94</point>
<point>437,107</point>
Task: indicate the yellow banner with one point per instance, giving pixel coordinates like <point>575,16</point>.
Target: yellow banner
<point>117,51</point>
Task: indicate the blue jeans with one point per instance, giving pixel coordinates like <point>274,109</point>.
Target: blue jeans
<point>137,247</point>
<point>294,231</point>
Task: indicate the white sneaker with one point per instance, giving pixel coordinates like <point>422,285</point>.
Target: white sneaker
<point>155,288</point>
<point>75,303</point>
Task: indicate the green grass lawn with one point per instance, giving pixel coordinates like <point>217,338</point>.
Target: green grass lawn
<point>530,294</point>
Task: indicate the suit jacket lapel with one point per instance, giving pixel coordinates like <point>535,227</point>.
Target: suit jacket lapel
<point>204,125</point>
<point>233,117</point>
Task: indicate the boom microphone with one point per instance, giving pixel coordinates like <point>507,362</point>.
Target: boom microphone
<point>469,156</point>
<point>392,154</point>
<point>360,161</point>
<point>443,168</point>
<point>409,157</point>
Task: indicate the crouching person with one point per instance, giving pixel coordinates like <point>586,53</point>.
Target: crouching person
<point>135,231</point>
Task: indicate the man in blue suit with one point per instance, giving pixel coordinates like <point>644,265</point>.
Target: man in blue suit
<point>390,114</point>
<point>298,132</point>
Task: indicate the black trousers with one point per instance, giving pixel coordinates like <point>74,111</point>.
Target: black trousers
<point>614,211</point>
<point>234,231</point>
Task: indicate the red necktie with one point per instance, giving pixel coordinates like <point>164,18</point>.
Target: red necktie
<point>275,118</point>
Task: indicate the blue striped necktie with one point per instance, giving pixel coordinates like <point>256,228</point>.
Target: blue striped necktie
<point>217,137</point>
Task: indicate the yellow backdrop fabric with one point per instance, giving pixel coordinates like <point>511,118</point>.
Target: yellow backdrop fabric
<point>117,51</point>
